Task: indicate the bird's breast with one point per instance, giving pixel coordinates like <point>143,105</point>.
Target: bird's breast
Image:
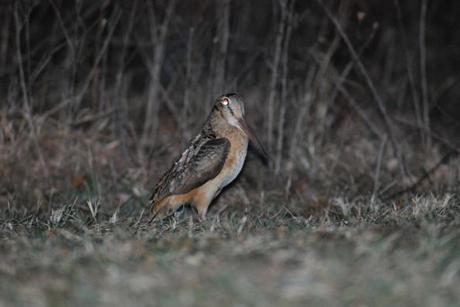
<point>235,160</point>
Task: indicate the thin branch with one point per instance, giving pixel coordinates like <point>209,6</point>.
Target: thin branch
<point>188,85</point>
<point>305,106</point>
<point>423,72</point>
<point>409,69</point>
<point>223,28</point>
<point>424,177</point>
<point>284,76</point>
<point>63,28</point>
<point>98,59</point>
<point>155,70</point>
<point>380,103</point>
<point>275,72</point>
<point>25,95</point>
<point>378,168</point>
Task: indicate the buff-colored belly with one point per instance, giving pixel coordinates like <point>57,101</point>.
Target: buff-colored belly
<point>231,169</point>
<point>233,165</point>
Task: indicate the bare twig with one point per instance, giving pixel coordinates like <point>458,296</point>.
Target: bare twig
<point>97,60</point>
<point>69,41</point>
<point>223,29</point>
<point>422,178</point>
<point>188,86</point>
<point>25,95</point>
<point>119,100</point>
<point>380,103</point>
<point>43,63</point>
<point>339,80</point>
<point>378,168</point>
<point>159,39</point>
<point>305,104</point>
<point>284,89</point>
<point>423,72</point>
<point>349,67</point>
<point>409,69</point>
<point>275,72</point>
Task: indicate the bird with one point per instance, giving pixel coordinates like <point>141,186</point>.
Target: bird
<point>211,161</point>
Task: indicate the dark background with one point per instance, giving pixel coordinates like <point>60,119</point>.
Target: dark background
<point>93,92</point>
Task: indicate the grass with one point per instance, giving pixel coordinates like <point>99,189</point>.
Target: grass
<point>349,253</point>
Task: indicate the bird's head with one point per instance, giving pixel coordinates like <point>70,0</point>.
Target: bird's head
<point>231,108</point>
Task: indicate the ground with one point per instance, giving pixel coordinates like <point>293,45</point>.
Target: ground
<point>344,253</point>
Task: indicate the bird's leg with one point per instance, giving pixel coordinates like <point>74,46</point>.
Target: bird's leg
<point>202,213</point>
<point>202,209</point>
<point>201,203</point>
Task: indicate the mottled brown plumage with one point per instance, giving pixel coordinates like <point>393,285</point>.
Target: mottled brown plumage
<point>201,161</point>
<point>210,162</point>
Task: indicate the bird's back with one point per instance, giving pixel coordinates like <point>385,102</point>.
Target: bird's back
<point>172,182</point>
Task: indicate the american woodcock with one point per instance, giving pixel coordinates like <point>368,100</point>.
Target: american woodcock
<point>212,160</point>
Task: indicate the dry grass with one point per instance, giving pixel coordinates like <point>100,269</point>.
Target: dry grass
<point>348,252</point>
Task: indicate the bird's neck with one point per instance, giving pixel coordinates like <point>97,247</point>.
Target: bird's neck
<point>221,127</point>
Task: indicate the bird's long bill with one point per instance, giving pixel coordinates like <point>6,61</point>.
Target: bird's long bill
<point>245,127</point>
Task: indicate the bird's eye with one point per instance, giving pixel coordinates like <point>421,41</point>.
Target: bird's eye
<point>225,101</point>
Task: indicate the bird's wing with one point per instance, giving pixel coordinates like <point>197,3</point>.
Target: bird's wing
<point>194,167</point>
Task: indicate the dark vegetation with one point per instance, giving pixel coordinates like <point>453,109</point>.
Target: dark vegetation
<point>356,101</point>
